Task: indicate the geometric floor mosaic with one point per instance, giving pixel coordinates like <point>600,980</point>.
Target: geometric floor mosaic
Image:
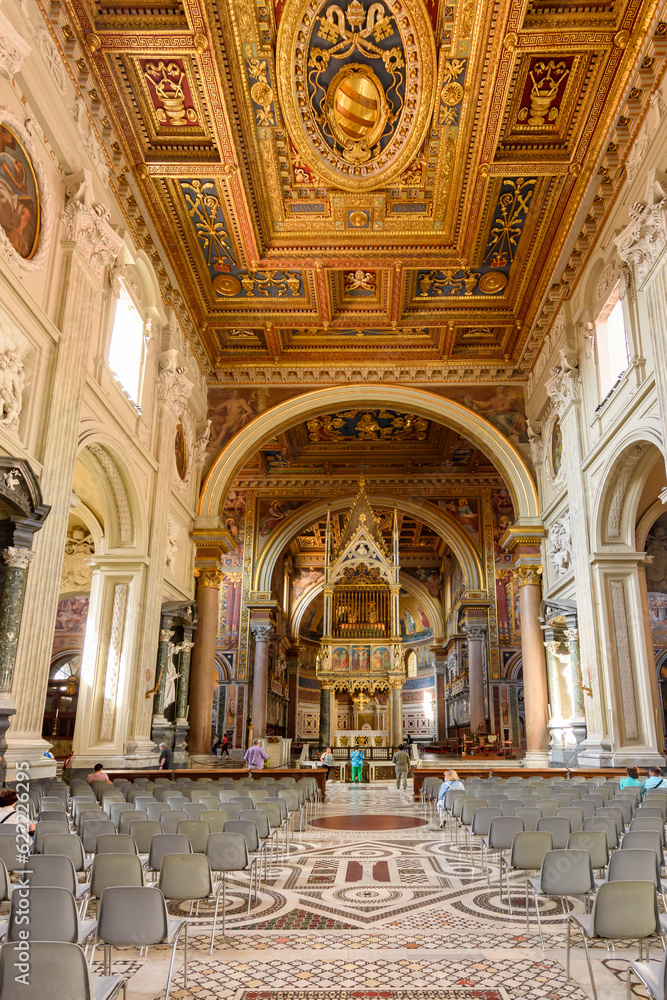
<point>402,914</point>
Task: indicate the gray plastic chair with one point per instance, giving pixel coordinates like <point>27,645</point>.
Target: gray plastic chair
<point>113,870</point>
<point>94,829</point>
<point>563,873</point>
<point>622,911</point>
<point>507,806</point>
<point>530,817</point>
<point>575,816</point>
<point>500,838</point>
<point>560,829</point>
<point>188,876</point>
<point>194,809</point>
<point>527,854</point>
<point>136,917</point>
<point>13,859</point>
<point>128,818</point>
<point>197,832</point>
<point>153,810</point>
<point>493,801</point>
<point>116,809</point>
<point>634,865</point>
<point>142,801</point>
<point>264,832</point>
<point>142,831</point>
<point>170,819</point>
<point>648,823</point>
<point>606,824</point>
<point>53,816</point>
<point>228,852</point>
<point>652,974</point>
<point>166,843</point>
<point>549,807</point>
<point>529,801</point>
<point>53,914</point>
<point>644,840</point>
<point>56,870</point>
<point>48,826</point>
<point>244,801</point>
<point>57,969</point>
<point>115,843</point>
<point>648,812</point>
<point>215,818</point>
<point>593,841</point>
<point>479,826</point>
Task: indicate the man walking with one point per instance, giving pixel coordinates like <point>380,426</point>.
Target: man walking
<point>401,761</point>
<point>255,756</point>
<point>357,762</point>
<point>224,746</point>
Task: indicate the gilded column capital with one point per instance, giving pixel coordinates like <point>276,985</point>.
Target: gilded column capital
<point>17,558</point>
<point>87,225</point>
<point>166,634</point>
<point>475,630</point>
<point>173,386</point>
<point>526,576</point>
<point>564,386</point>
<point>209,578</point>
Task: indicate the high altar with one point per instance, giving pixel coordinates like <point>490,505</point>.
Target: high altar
<point>361,649</point>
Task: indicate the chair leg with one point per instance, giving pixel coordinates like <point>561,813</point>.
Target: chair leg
<point>590,967</point>
<point>215,920</point>
<point>629,983</point>
<point>527,908</point>
<point>567,954</point>
<point>537,914</point>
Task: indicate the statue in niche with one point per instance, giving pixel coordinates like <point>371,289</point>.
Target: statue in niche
<point>171,677</point>
<point>12,383</point>
<point>172,547</point>
<point>79,548</point>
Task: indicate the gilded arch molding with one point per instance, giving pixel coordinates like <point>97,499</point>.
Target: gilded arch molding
<point>279,418</point>
<point>455,536</point>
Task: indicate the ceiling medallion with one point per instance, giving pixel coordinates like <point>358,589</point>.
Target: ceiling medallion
<point>356,86</point>
<point>492,282</point>
<point>226,284</point>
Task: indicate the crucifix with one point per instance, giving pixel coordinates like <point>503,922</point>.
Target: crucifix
<point>362,700</point>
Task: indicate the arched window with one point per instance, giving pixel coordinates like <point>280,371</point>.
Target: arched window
<point>612,344</point>
<point>411,663</point>
<point>126,350</point>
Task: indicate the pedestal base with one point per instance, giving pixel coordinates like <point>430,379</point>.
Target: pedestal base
<point>180,742</point>
<point>536,758</point>
<point>638,757</point>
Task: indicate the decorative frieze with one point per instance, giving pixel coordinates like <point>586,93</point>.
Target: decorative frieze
<point>623,476</point>
<point>560,544</point>
<point>13,49</point>
<point>77,571</point>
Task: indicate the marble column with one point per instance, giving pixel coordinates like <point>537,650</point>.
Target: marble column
<point>91,247</point>
<point>326,692</point>
<point>202,665</point>
<point>16,561</point>
<point>476,633</point>
<point>166,635</point>
<point>293,699</point>
<point>396,716</point>
<point>263,633</point>
<point>441,728</point>
<point>534,668</point>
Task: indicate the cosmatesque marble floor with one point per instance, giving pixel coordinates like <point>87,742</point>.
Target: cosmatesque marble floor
<point>397,914</point>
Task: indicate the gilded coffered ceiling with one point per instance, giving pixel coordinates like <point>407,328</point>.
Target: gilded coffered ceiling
<point>366,180</point>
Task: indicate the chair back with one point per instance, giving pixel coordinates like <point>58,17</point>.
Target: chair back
<point>132,915</point>
<point>51,802</point>
<point>128,818</point>
<point>259,818</point>
<point>549,807</point>
<point>644,840</point>
<point>142,801</point>
<point>626,910</point>
<point>563,799</point>
<point>494,801</point>
<point>171,818</point>
<point>116,809</point>
<point>114,869</point>
<point>593,841</point>
<point>142,831</point>
<point>12,858</point>
<point>502,831</point>
<point>247,803</point>
<point>194,809</point>
<point>559,827</point>
<point>57,969</point>
<point>53,916</point>
<point>507,806</point>
<point>227,852</point>
<point>598,801</point>
<point>469,809</point>
<point>91,831</point>
<point>567,873</point>
<point>197,832</point>
<point>166,843</point>
<point>575,816</point>
<point>481,820</point>
<point>48,826</point>
<point>52,870</point>
<point>648,823</point>
<point>247,830</point>
<point>185,876</point>
<point>528,850</point>
<point>607,825</point>
<point>272,810</point>
<point>529,800</point>
<point>115,843</point>
<point>646,812</point>
<point>530,816</point>
<point>633,865</point>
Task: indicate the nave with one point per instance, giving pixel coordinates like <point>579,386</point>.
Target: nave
<point>402,914</point>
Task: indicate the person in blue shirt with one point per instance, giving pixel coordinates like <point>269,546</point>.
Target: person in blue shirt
<point>452,783</point>
<point>632,778</point>
<point>357,762</point>
<point>654,780</point>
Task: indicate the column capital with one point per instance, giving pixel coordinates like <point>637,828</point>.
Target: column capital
<point>172,384</point>
<point>528,576</point>
<point>166,634</point>
<point>644,238</point>
<point>17,557</point>
<point>475,630</point>
<point>564,386</point>
<point>87,225</point>
<point>209,578</point>
<point>262,631</point>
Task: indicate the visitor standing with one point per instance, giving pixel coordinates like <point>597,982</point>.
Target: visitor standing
<point>215,745</point>
<point>164,763</point>
<point>327,761</point>
<point>255,756</point>
<point>401,761</point>
<point>357,762</point>
<point>224,746</point>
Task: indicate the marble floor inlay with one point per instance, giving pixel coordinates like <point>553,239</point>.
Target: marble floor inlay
<point>372,913</point>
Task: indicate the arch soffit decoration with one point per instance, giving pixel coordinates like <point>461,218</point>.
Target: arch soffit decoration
<point>456,537</point>
<point>413,587</point>
<point>124,525</point>
<point>281,417</point>
<point>622,482</point>
<point>647,521</point>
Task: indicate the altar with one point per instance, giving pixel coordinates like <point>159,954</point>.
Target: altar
<point>361,738</point>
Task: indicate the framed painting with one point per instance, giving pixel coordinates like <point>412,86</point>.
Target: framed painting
<point>556,448</point>
<point>20,205</point>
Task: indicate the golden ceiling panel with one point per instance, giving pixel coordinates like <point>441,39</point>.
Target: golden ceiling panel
<point>373,177</point>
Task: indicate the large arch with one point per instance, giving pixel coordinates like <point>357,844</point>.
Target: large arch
<point>455,536</point>
<point>427,404</point>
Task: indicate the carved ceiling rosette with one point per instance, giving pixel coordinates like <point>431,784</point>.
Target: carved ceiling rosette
<point>357,84</point>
